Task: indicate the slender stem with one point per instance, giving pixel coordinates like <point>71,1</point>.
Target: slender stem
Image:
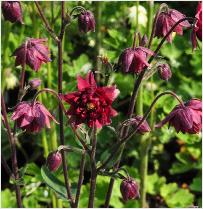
<point>123,140</point>
<point>6,167</point>
<point>46,23</point>
<point>93,169</point>
<point>145,142</point>
<point>81,177</point>
<point>13,152</point>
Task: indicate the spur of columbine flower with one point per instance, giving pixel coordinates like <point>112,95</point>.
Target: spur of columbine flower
<point>166,20</point>
<point>32,117</point>
<point>33,52</point>
<point>91,104</point>
<point>197,27</point>
<point>186,118</point>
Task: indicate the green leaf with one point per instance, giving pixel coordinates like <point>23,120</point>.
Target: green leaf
<point>8,199</point>
<point>176,197</point>
<point>196,185</point>
<point>53,182</point>
<point>154,183</point>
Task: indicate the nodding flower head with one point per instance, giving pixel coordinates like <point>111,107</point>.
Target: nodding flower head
<point>32,117</point>
<point>54,161</point>
<point>166,20</point>
<point>129,189</point>
<point>187,118</point>
<point>33,52</point>
<point>164,71</point>
<point>12,11</point>
<point>91,105</point>
<point>86,21</point>
<point>134,60</point>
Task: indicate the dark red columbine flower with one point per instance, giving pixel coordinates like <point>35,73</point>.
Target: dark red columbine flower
<point>197,28</point>
<point>91,104</point>
<point>143,128</point>
<point>32,117</point>
<point>33,52</point>
<point>129,189</point>
<point>166,20</point>
<point>187,118</point>
<point>164,71</point>
<point>54,160</point>
<point>12,11</point>
<point>134,60</point>
<point>35,83</point>
<point>86,21</point>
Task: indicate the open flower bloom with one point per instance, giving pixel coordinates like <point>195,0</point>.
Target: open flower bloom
<point>129,189</point>
<point>32,117</point>
<point>134,60</point>
<point>166,20</point>
<point>91,104</point>
<point>187,118</point>
<point>33,52</point>
<point>12,11</point>
<point>197,28</point>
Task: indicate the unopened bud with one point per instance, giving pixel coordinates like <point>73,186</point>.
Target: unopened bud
<point>54,160</point>
<point>129,189</point>
<point>164,72</point>
<point>35,83</point>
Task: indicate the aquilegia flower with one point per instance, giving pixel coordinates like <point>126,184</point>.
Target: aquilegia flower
<point>33,52</point>
<point>54,161</point>
<point>134,60</point>
<point>143,128</point>
<point>86,21</point>
<point>166,20</point>
<point>32,117</point>
<point>164,71</point>
<point>197,28</point>
<point>129,189</point>
<point>91,104</point>
<point>12,11</point>
<point>187,118</point>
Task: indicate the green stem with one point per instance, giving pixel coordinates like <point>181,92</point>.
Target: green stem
<point>146,141</point>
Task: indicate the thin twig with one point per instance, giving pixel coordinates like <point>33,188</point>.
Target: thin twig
<point>46,23</point>
<point>93,169</point>
<point>13,151</point>
<point>81,177</point>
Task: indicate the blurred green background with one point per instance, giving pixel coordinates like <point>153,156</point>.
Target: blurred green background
<point>174,178</point>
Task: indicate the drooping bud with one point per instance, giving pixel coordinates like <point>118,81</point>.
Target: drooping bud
<point>129,189</point>
<point>164,71</point>
<point>54,160</point>
<point>12,11</point>
<point>35,83</point>
<point>86,21</point>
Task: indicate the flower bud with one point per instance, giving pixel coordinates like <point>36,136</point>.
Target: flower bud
<point>129,189</point>
<point>164,72</point>
<point>35,83</point>
<point>86,21</point>
<point>54,160</point>
<point>12,11</point>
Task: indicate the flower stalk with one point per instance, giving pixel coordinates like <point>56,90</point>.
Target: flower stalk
<point>93,169</point>
<point>13,152</point>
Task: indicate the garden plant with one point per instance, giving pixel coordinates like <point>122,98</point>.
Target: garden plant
<point>101,104</point>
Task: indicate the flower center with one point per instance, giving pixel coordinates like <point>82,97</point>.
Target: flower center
<point>90,106</point>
